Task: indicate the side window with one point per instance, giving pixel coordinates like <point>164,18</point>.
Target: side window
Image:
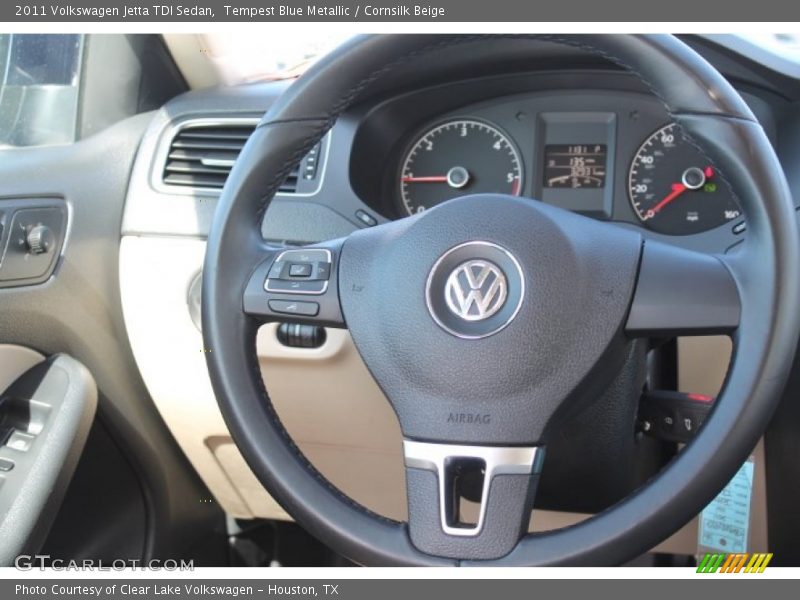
<point>39,85</point>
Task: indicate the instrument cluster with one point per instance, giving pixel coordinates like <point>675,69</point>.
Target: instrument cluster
<point>598,145</point>
<point>670,187</point>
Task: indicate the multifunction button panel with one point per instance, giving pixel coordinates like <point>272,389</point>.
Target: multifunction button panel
<point>304,271</point>
<point>299,285</point>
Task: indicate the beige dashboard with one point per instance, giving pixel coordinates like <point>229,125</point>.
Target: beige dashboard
<point>325,397</point>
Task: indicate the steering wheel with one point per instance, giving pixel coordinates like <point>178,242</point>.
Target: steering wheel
<point>488,319</point>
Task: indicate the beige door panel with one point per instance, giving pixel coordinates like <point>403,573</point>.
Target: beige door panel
<point>15,361</point>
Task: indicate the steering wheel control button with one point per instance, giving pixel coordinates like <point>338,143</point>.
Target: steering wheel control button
<point>292,307</point>
<point>6,465</point>
<point>673,416</point>
<point>475,289</point>
<point>293,286</point>
<point>297,335</point>
<point>276,271</point>
<point>323,271</point>
<point>305,255</point>
<point>300,270</point>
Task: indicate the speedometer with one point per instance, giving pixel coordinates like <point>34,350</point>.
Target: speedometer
<point>455,158</point>
<point>674,189</point>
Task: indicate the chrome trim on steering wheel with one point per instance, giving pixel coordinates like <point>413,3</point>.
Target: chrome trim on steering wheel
<point>497,461</point>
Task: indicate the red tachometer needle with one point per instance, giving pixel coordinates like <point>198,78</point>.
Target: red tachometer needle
<point>429,179</point>
<point>677,190</point>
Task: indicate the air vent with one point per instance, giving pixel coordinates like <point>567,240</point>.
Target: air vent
<point>201,156</point>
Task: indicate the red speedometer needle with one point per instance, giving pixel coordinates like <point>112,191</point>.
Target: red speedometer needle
<point>429,179</point>
<point>693,179</point>
<point>677,190</point>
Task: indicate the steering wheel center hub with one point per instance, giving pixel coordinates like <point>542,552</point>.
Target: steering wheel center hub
<point>486,305</point>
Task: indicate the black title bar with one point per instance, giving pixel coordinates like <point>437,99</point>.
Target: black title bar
<point>473,11</point>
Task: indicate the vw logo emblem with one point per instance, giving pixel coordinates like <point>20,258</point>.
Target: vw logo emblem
<point>476,290</point>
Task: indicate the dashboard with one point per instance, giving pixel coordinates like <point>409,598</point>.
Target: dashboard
<point>592,141</point>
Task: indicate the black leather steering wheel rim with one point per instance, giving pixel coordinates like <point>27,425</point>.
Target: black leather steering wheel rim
<point>765,270</point>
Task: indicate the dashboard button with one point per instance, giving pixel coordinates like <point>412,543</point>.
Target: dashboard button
<point>293,307</point>
<point>366,218</point>
<point>31,256</point>
<point>6,465</point>
<point>739,228</point>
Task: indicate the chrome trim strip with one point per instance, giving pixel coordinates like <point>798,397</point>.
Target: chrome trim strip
<point>217,162</point>
<point>513,460</point>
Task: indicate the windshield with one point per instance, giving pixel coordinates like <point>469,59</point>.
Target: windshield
<point>785,45</point>
<point>247,57</point>
<point>39,85</point>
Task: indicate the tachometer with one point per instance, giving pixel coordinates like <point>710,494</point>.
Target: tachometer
<point>455,158</point>
<point>674,189</point>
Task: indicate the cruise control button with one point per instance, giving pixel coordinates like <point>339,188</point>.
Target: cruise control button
<point>291,307</point>
<point>295,286</point>
<point>300,270</point>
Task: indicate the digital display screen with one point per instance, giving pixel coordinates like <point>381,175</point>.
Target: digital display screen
<point>575,166</point>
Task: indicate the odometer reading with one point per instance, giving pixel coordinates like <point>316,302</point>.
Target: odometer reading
<point>456,158</point>
<point>674,190</point>
<point>575,165</point>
